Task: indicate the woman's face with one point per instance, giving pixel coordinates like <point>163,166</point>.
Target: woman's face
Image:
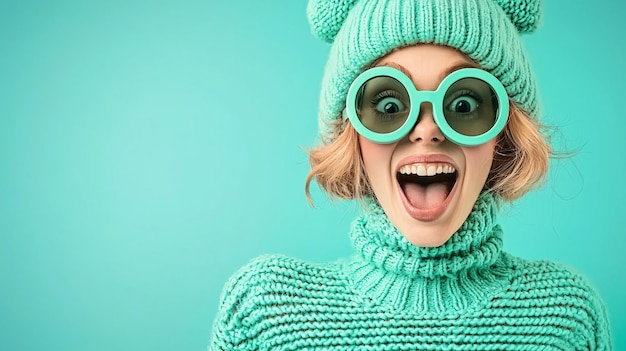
<point>427,214</point>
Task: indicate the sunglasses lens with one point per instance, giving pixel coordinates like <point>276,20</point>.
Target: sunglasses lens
<point>470,106</point>
<point>382,104</point>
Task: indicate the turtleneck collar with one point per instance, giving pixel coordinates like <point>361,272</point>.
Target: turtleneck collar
<point>391,271</point>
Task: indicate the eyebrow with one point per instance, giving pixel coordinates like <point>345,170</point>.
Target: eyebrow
<point>442,75</point>
<point>398,67</point>
<point>456,67</point>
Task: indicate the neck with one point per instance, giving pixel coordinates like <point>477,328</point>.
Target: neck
<point>392,271</point>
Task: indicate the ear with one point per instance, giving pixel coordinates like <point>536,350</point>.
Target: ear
<point>327,16</point>
<point>525,14</point>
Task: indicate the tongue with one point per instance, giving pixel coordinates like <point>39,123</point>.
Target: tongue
<point>426,196</point>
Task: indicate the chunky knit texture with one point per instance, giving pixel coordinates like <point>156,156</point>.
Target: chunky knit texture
<point>362,31</point>
<point>464,295</point>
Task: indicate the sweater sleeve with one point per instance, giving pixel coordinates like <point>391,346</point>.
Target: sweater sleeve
<point>597,333</point>
<point>601,327</point>
<point>233,325</point>
<point>570,302</point>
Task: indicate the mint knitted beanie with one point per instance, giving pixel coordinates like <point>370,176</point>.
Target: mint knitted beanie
<point>361,31</point>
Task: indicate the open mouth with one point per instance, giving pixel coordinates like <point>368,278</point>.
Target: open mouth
<point>427,185</point>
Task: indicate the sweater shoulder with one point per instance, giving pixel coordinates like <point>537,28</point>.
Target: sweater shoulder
<point>266,271</point>
<point>263,283</point>
<point>566,294</point>
<point>529,274</point>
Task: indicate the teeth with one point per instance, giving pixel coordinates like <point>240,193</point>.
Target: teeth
<point>421,169</point>
<point>431,170</point>
<point>427,169</point>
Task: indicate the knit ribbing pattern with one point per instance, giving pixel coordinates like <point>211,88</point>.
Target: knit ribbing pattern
<point>465,295</point>
<point>442,279</point>
<point>372,28</point>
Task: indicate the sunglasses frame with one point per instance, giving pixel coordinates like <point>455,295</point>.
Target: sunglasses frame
<point>435,98</point>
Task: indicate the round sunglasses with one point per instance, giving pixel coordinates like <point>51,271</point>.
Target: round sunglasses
<point>470,106</point>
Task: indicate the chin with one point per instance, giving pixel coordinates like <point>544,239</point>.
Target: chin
<point>426,235</point>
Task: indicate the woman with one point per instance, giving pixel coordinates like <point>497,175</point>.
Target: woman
<point>429,116</point>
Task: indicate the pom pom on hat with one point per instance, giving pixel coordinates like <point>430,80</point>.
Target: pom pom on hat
<point>525,14</point>
<point>327,16</point>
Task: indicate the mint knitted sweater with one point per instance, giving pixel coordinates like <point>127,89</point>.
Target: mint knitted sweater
<point>464,295</point>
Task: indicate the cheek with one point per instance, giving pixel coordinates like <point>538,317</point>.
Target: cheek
<point>376,160</point>
<point>479,160</point>
<point>373,154</point>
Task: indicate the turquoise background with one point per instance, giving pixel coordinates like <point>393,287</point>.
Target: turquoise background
<point>148,149</point>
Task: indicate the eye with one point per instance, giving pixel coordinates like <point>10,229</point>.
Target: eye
<point>463,104</point>
<point>390,105</point>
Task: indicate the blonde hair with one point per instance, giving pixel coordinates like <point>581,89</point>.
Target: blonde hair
<point>520,164</point>
<point>337,167</point>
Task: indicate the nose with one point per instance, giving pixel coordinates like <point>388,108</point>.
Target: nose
<point>425,130</point>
